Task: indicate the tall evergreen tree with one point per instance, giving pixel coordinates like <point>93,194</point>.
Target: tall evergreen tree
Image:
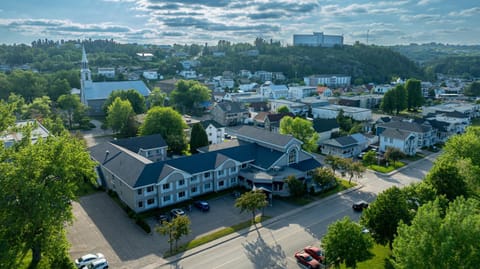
<point>414,94</point>
<point>198,138</point>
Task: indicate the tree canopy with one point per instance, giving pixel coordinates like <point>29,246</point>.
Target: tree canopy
<point>414,94</point>
<point>188,95</point>
<point>438,239</point>
<point>302,130</point>
<point>251,201</point>
<point>168,123</point>
<point>394,100</point>
<point>345,242</point>
<point>198,138</point>
<point>137,101</point>
<point>120,117</point>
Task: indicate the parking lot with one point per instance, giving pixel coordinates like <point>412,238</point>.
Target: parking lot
<point>102,226</point>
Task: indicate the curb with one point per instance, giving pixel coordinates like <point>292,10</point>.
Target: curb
<point>268,222</point>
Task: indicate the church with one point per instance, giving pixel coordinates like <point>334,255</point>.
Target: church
<point>94,94</point>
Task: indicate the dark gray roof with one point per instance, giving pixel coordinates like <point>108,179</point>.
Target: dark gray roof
<point>224,145</point>
<point>323,125</point>
<point>439,125</point>
<point>123,163</point>
<point>307,165</point>
<point>231,107</point>
<point>141,142</point>
<point>101,90</point>
<point>215,124</point>
<point>396,133</point>
<point>250,133</point>
<point>341,142</point>
<point>456,114</point>
<point>407,126</point>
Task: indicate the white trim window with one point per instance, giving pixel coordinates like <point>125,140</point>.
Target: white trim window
<point>194,179</point>
<point>182,195</point>
<point>194,190</point>
<point>166,187</point>
<point>292,156</point>
<point>206,175</point>
<point>167,199</point>
<point>150,189</point>
<point>221,173</point>
<point>181,183</point>
<point>233,170</point>
<point>207,186</point>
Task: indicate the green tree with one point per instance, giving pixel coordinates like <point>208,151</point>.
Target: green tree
<point>345,123</point>
<point>120,116</point>
<point>137,101</point>
<point>353,169</point>
<point>414,94</point>
<point>188,94</point>
<point>324,176</point>
<point>447,179</point>
<point>335,162</point>
<point>40,108</point>
<point>302,130</point>
<point>251,201</point>
<point>400,94</point>
<point>72,108</point>
<point>393,154</point>
<point>473,89</point>
<point>283,109</point>
<point>38,182</point>
<point>156,98</point>
<point>388,103</point>
<point>175,230</point>
<point>198,138</point>
<point>345,242</point>
<point>168,123</point>
<point>6,115</point>
<point>440,240</point>
<point>384,215</point>
<point>57,88</point>
<point>418,194</point>
<point>295,186</point>
<point>369,158</point>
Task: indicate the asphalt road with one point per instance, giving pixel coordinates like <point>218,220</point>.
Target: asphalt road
<point>273,245</point>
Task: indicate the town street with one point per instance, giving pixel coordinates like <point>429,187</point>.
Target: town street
<point>273,245</point>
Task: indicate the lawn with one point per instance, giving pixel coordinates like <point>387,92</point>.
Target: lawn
<point>386,169</point>
<point>304,200</point>
<point>215,235</point>
<point>378,261</point>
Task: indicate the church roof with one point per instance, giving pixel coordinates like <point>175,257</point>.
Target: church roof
<point>101,90</point>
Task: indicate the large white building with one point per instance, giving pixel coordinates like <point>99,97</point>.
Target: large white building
<point>318,39</point>
<point>331,112</point>
<point>328,80</point>
<point>299,92</point>
<point>272,91</point>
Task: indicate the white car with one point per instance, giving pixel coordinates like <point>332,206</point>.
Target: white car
<point>100,263</point>
<point>86,259</point>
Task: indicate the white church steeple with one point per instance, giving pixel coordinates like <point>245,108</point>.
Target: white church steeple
<point>85,77</point>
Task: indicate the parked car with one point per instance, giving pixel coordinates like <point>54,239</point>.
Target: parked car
<point>202,205</point>
<point>176,212</point>
<point>316,253</point>
<point>86,259</point>
<point>307,260</point>
<point>97,264</point>
<point>161,218</point>
<point>360,205</point>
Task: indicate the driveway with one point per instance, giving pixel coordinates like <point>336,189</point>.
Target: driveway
<point>102,226</point>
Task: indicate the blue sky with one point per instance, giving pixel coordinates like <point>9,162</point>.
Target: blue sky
<point>200,21</point>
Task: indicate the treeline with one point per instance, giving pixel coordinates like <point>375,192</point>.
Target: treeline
<point>364,63</point>
<point>465,66</point>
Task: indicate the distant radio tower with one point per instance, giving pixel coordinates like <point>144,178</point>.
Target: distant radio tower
<point>367,35</point>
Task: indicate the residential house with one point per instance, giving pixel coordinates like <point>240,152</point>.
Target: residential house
<point>10,137</point>
<point>229,113</point>
<point>108,72</point>
<point>215,131</point>
<point>325,128</point>
<point>263,160</point>
<point>259,119</point>
<point>470,110</point>
<point>299,92</point>
<point>188,74</point>
<point>344,146</point>
<point>448,124</point>
<point>152,147</point>
<point>297,108</point>
<point>402,140</point>
<point>424,133</point>
<point>263,75</point>
<point>382,89</point>
<point>332,111</point>
<point>272,121</point>
<point>272,91</point>
<point>150,75</point>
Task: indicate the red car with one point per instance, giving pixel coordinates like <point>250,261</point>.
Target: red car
<point>307,260</point>
<point>316,253</point>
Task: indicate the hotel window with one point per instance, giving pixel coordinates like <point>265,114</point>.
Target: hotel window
<point>139,191</point>
<point>181,182</point>
<point>220,173</point>
<point>221,183</point>
<point>166,186</point>
<point>233,169</point>
<point>149,188</point>
<point>292,156</point>
<point>194,189</point>
<point>140,204</point>
<point>207,186</point>
<point>150,201</point>
<point>233,180</point>
<point>206,175</point>
<point>181,194</point>
<point>193,179</point>
<point>167,198</point>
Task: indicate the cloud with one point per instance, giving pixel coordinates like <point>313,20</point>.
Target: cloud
<point>267,15</point>
<point>466,12</point>
<point>205,24</point>
<point>419,17</point>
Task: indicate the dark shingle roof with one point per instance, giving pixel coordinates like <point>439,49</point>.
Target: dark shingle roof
<point>307,165</point>
<point>456,114</point>
<point>279,116</point>
<point>407,126</point>
<point>249,133</point>
<point>141,142</point>
<point>439,125</point>
<point>231,107</point>
<point>396,133</point>
<point>323,125</point>
<point>122,163</point>
<point>343,141</point>
<point>215,124</point>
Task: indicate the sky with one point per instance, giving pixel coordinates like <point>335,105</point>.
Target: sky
<point>165,22</point>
